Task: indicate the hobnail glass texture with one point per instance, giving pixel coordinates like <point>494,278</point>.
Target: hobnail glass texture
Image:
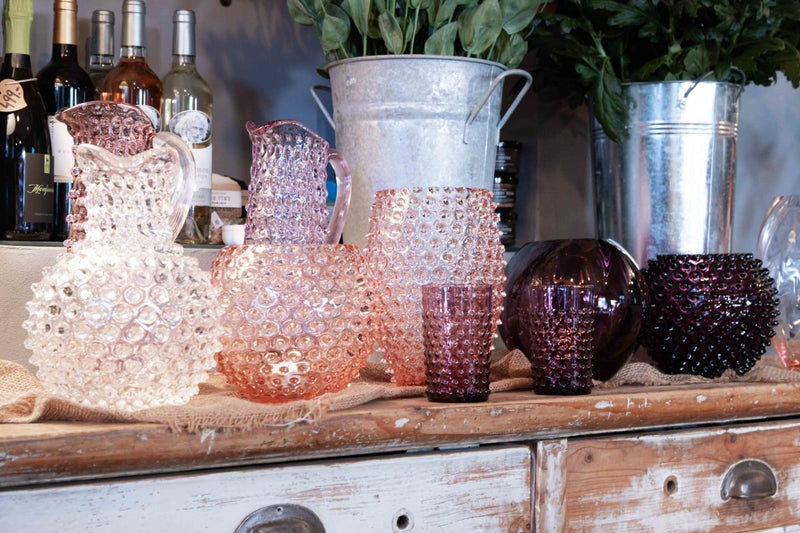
<point>601,264</point>
<point>299,320</point>
<point>779,250</point>
<point>558,322</point>
<point>457,332</point>
<point>287,192</point>
<point>706,313</point>
<point>124,320</point>
<point>122,129</point>
<point>429,235</point>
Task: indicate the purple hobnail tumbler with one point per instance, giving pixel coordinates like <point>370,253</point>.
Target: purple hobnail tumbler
<point>457,333</point>
<point>559,320</point>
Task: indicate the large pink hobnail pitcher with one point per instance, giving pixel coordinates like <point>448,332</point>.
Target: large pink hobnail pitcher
<point>287,192</point>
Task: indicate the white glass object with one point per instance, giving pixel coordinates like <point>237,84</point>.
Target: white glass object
<point>125,320</point>
<point>779,250</point>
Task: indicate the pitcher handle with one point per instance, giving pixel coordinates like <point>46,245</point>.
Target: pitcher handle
<point>320,105</point>
<point>343,190</point>
<point>496,83</point>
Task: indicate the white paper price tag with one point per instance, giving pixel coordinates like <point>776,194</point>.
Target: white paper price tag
<point>11,97</point>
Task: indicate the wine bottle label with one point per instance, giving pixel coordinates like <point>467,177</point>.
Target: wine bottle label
<point>39,189</point>
<point>216,221</point>
<point>11,96</point>
<point>202,161</point>
<point>153,114</point>
<point>192,125</point>
<point>226,199</point>
<point>61,144</point>
<point>202,197</point>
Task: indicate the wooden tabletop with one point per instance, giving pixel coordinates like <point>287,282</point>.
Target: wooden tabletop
<point>61,451</point>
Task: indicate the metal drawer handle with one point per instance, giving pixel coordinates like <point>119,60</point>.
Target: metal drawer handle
<point>283,518</point>
<point>749,480</point>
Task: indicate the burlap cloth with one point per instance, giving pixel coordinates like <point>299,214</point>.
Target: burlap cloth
<point>23,398</point>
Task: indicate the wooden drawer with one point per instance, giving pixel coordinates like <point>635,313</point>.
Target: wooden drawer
<point>480,489</point>
<point>668,481</point>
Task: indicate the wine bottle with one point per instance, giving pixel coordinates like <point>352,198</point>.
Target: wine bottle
<point>26,175</point>
<point>187,113</point>
<point>132,81</point>
<point>101,49</point>
<point>63,83</point>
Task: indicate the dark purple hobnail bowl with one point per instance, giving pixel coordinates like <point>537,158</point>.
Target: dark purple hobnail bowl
<point>706,313</point>
<point>581,262</point>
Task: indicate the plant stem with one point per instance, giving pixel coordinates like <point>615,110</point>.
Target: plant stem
<point>414,33</point>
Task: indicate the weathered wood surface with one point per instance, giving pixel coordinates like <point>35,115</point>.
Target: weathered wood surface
<point>474,491</point>
<point>673,480</point>
<point>44,452</point>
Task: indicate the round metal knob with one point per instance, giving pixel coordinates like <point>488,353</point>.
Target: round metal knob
<point>281,519</point>
<point>749,479</point>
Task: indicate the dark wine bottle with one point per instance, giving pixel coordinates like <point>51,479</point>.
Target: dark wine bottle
<point>63,83</point>
<point>26,175</point>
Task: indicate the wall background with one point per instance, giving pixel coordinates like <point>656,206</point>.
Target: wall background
<point>260,65</point>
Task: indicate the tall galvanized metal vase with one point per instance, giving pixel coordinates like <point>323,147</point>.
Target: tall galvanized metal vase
<point>416,121</point>
<point>667,186</point>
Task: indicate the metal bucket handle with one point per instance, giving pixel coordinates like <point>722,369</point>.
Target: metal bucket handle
<point>472,115</point>
<point>498,81</point>
<point>320,105</point>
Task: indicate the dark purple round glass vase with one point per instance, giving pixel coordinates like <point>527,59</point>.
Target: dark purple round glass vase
<point>585,263</point>
<point>707,313</point>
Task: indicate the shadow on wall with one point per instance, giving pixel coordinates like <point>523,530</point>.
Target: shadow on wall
<point>554,194</point>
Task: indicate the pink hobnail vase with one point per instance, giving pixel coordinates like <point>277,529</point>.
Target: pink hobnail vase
<point>287,191</point>
<point>299,320</point>
<point>429,235</point>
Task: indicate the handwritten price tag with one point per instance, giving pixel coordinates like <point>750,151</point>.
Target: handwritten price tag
<point>11,97</point>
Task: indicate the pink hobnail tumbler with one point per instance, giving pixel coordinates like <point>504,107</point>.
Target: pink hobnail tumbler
<point>559,319</point>
<point>457,331</point>
<point>287,191</point>
<point>429,235</point>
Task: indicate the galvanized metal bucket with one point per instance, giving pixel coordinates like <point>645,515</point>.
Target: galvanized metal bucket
<point>415,120</point>
<point>667,187</point>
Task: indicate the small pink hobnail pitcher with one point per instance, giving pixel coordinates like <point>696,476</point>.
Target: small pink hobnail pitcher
<point>287,192</point>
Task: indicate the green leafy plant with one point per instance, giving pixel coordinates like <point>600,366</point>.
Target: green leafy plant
<point>495,30</point>
<point>589,48</point>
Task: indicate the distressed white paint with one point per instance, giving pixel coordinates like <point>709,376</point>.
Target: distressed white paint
<point>604,404</point>
<point>550,486</point>
<point>479,490</point>
<point>701,398</point>
<point>400,422</point>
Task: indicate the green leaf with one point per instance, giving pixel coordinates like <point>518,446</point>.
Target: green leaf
<point>334,28</point>
<point>509,50</point>
<point>518,14</point>
<point>301,12</point>
<point>479,27</point>
<point>359,13</point>
<point>445,14</point>
<point>442,41</point>
<point>391,32</point>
